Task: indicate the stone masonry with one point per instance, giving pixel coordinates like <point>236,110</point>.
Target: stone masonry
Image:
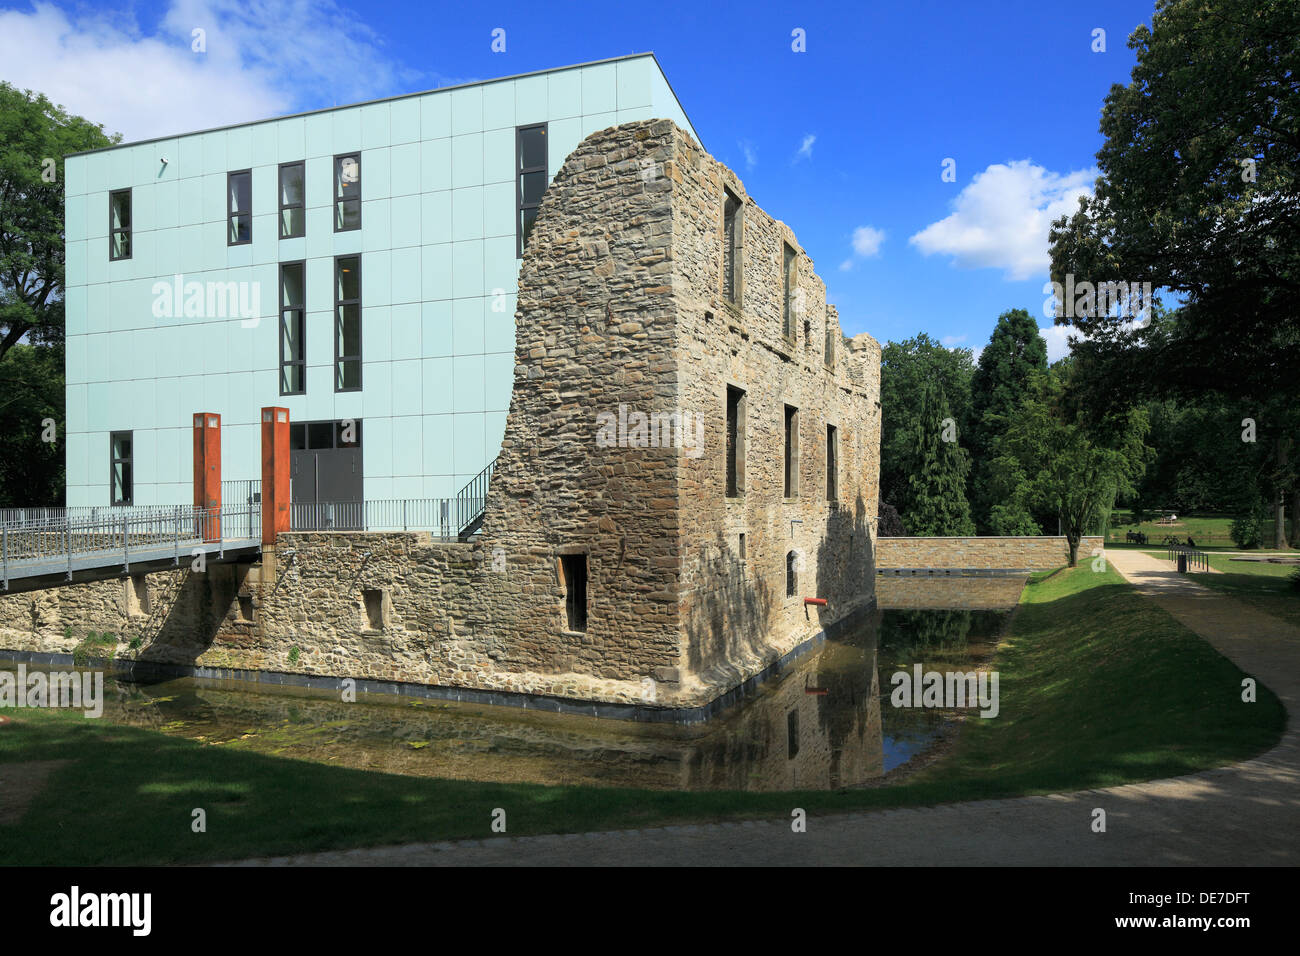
<point>631,347</point>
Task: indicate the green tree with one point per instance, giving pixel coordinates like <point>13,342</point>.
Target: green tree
<point>1016,353</point>
<point>1058,464</point>
<point>1199,194</point>
<point>904,368</point>
<point>35,135</point>
<point>938,471</point>
<point>31,408</point>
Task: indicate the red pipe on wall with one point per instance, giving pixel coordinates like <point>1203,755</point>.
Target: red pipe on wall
<point>820,602</point>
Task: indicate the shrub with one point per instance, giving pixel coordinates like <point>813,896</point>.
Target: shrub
<point>1247,530</point>
<point>294,654</point>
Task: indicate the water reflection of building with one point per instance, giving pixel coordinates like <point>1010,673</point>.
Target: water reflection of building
<point>816,727</point>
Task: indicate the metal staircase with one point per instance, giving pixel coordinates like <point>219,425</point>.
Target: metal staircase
<point>471,501</point>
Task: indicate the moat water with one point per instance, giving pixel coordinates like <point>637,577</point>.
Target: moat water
<point>825,723</point>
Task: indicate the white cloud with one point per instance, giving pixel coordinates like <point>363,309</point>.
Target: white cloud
<point>1055,336</point>
<point>1001,219</point>
<point>749,152</point>
<point>867,240</point>
<point>805,148</point>
<point>952,340</point>
<point>144,80</point>
<point>866,244</point>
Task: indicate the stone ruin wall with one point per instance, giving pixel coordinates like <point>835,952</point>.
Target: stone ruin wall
<point>619,305</point>
<point>736,613</point>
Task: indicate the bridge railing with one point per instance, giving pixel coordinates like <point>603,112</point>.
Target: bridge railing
<point>444,517</point>
<point>46,545</point>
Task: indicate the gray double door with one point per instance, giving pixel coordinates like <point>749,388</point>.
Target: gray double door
<point>326,474</point>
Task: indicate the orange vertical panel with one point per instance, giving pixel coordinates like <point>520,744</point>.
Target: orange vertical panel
<point>207,473</point>
<point>275,473</point>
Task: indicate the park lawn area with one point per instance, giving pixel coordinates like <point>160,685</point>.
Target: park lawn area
<point>1264,586</point>
<point>1097,687</point>
<point>1210,532</point>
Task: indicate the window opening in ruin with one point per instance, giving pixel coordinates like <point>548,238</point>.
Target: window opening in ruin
<point>574,569</point>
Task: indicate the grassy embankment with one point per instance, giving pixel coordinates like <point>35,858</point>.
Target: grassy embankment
<point>1097,687</point>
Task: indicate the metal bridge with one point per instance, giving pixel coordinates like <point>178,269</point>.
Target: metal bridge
<point>48,547</point>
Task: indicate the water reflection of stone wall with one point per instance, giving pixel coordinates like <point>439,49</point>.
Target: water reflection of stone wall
<point>938,591</point>
<point>818,729</point>
<point>789,736</point>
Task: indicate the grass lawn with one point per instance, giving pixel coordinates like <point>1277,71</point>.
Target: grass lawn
<point>1097,687</point>
<point>1209,532</point>
<point>1264,586</point>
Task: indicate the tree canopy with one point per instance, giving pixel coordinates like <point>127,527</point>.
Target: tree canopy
<point>1198,194</point>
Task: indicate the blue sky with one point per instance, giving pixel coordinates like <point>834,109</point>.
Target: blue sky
<point>845,141</point>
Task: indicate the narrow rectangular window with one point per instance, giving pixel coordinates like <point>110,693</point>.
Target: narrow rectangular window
<point>347,324</point>
<point>735,442</point>
<point>730,244</point>
<point>239,207</point>
<point>119,224</point>
<point>791,452</point>
<point>792,734</point>
<point>531,180</point>
<point>832,463</point>
<point>740,544</point>
<point>122,485</point>
<point>347,192</point>
<point>788,290</point>
<point>293,192</point>
<point>830,345</point>
<point>574,569</point>
<point>293,328</point>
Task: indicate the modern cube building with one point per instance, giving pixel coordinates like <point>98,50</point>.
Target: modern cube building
<point>356,265</point>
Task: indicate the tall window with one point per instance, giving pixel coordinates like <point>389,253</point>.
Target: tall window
<point>574,569</point>
<point>293,214</point>
<point>731,229</point>
<point>830,345</point>
<point>347,192</point>
<point>735,442</point>
<point>119,224</point>
<point>832,463</point>
<point>788,286</point>
<point>121,484</point>
<point>530,156</point>
<point>791,452</point>
<point>293,329</point>
<point>791,574</point>
<point>347,324</point>
<point>239,207</point>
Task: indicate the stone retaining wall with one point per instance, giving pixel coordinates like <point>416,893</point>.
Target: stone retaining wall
<point>986,553</point>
